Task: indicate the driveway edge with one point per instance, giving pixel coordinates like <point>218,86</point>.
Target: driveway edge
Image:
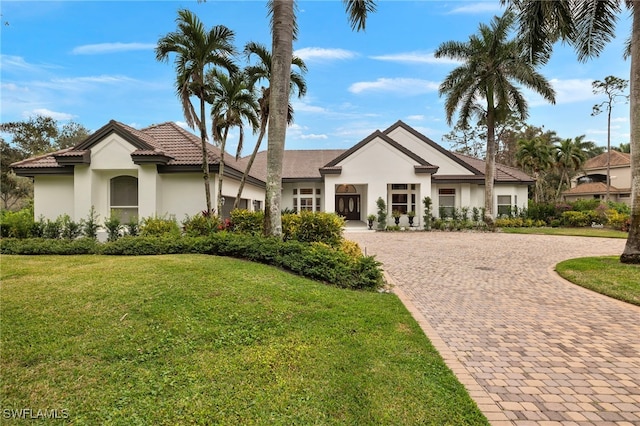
<point>485,403</point>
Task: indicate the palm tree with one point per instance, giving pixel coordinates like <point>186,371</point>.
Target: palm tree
<point>196,50</point>
<point>262,71</point>
<point>232,103</point>
<point>491,66</point>
<point>284,30</point>
<point>534,156</point>
<point>613,87</point>
<point>568,159</point>
<point>589,25</point>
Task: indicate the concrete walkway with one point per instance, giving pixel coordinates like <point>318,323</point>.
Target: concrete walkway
<point>531,348</point>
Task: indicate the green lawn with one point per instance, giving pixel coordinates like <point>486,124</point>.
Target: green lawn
<point>207,340</point>
<point>605,275</point>
<point>577,232</point>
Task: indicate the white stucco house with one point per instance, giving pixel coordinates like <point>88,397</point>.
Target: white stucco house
<point>157,171</point>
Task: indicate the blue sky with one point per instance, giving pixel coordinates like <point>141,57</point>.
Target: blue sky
<point>93,61</point>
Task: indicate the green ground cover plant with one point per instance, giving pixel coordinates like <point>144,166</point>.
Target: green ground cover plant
<point>200,339</point>
<point>606,275</point>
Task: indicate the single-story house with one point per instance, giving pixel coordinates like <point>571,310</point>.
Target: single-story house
<point>157,171</point>
<point>591,182</point>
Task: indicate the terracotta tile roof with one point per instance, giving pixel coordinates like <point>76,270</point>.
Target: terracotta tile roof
<point>503,173</point>
<point>179,147</point>
<point>594,188</point>
<point>166,139</point>
<point>41,161</point>
<point>618,159</point>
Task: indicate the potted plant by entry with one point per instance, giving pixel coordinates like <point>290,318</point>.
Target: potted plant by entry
<point>370,220</point>
<point>411,215</point>
<point>396,216</point>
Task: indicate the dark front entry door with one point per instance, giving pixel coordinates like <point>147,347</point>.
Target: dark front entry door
<point>348,206</point>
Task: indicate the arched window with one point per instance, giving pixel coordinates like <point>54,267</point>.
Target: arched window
<point>124,197</point>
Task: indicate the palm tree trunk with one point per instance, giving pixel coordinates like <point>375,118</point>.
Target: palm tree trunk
<point>606,198</point>
<point>205,155</point>
<point>490,161</point>
<point>263,129</point>
<point>631,252</point>
<point>221,169</point>
<point>282,53</point>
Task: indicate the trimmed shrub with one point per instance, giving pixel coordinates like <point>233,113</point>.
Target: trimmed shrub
<point>575,219</point>
<point>290,225</point>
<point>90,225</point>
<point>16,224</point>
<point>382,214</point>
<point>159,226</point>
<point>70,230</point>
<point>585,204</point>
<point>248,222</point>
<point>619,221</point>
<point>319,227</point>
<point>35,246</point>
<point>200,225</point>
<point>317,261</point>
<point>52,229</point>
<point>113,227</point>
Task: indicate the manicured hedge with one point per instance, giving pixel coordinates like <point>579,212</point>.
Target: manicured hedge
<point>317,261</point>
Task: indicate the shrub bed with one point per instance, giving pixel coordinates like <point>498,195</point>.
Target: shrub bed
<point>318,261</point>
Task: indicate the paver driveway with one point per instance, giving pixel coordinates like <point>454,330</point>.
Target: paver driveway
<point>531,348</point>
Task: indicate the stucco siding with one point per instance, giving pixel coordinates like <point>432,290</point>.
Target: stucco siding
<point>183,194</point>
<point>53,197</point>
<point>113,153</point>
<point>447,166</point>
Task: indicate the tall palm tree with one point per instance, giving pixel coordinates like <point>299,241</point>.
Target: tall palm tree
<point>196,50</point>
<point>283,31</point>
<point>534,156</point>
<point>491,66</point>
<point>232,103</point>
<point>589,25</point>
<point>613,87</point>
<point>257,72</point>
<point>568,159</point>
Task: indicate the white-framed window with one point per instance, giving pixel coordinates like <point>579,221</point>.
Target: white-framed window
<point>304,200</point>
<point>123,197</point>
<point>403,197</point>
<point>504,205</point>
<point>447,201</point>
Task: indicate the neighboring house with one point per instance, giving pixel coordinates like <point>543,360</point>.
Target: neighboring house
<point>157,171</point>
<point>592,181</point>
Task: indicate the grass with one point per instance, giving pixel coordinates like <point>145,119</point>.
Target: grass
<point>606,275</point>
<point>207,340</point>
<point>576,232</point>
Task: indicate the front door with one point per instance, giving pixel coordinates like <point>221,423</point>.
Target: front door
<point>348,206</point>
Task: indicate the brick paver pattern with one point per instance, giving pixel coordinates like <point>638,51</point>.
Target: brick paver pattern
<point>545,351</point>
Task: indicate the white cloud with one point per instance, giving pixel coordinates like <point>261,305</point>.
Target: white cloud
<point>302,106</point>
<point>313,136</point>
<point>321,54</point>
<point>480,7</point>
<point>415,117</point>
<point>101,48</point>
<point>415,57</point>
<point>100,79</point>
<point>61,116</point>
<point>567,91</point>
<point>183,125</point>
<point>620,120</point>
<point>401,86</point>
